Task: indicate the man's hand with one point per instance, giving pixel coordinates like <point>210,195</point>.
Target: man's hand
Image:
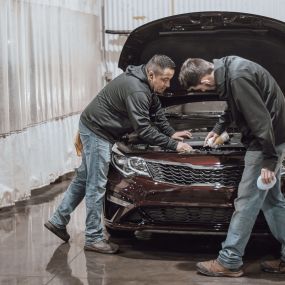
<point>181,135</point>
<point>183,147</point>
<point>266,175</point>
<point>210,135</point>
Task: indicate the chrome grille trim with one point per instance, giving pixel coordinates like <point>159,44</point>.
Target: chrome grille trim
<point>185,174</point>
<point>188,164</point>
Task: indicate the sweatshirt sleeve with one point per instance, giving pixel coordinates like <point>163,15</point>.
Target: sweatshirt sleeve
<point>223,122</point>
<point>138,107</point>
<point>161,121</point>
<point>249,102</point>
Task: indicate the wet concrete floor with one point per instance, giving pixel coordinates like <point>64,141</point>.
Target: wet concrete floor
<point>30,254</point>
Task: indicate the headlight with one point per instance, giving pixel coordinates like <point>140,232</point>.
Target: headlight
<point>130,166</point>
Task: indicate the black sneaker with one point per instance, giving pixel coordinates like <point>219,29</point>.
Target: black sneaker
<point>61,233</point>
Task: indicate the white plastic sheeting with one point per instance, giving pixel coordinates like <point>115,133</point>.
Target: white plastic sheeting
<point>50,68</point>
<point>49,59</point>
<point>36,157</point>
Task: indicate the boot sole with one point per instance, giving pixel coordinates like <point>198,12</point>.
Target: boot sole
<point>50,228</point>
<point>273,271</point>
<point>204,271</point>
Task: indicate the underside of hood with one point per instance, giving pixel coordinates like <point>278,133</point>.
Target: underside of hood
<point>209,35</point>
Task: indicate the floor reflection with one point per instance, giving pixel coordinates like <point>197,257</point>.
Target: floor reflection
<point>29,254</point>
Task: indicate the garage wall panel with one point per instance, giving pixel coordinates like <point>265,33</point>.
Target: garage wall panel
<point>48,58</point>
<point>126,15</point>
<point>129,14</point>
<point>50,69</point>
<point>274,9</point>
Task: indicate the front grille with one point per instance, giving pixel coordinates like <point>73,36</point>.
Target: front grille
<point>198,217</point>
<point>187,215</point>
<point>186,175</point>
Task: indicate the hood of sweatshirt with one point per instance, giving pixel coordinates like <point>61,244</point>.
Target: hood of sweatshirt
<point>138,72</point>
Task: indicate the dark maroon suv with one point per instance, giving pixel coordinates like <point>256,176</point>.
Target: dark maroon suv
<point>153,189</point>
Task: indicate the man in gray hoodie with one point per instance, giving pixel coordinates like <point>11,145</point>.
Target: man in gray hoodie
<point>256,104</point>
<point>124,105</point>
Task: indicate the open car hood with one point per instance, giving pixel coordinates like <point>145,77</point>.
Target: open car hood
<point>209,35</point>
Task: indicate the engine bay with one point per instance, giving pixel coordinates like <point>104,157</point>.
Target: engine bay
<point>133,144</point>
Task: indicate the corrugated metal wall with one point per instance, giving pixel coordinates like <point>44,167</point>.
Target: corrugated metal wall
<point>50,69</point>
<point>270,8</point>
<point>129,14</point>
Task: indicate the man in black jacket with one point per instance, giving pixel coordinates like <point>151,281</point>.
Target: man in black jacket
<point>256,104</point>
<point>125,105</point>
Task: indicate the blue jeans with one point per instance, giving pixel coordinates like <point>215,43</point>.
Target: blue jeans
<point>89,182</point>
<point>249,202</point>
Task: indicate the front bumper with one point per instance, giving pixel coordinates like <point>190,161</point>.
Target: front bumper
<point>139,203</point>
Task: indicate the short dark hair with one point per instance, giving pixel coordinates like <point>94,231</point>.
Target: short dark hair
<point>192,70</point>
<point>160,62</point>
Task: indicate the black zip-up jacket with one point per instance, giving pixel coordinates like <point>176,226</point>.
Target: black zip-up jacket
<point>255,103</point>
<point>125,105</point>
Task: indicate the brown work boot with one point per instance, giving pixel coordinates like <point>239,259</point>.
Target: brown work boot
<point>102,246</point>
<point>214,268</point>
<point>273,266</point>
